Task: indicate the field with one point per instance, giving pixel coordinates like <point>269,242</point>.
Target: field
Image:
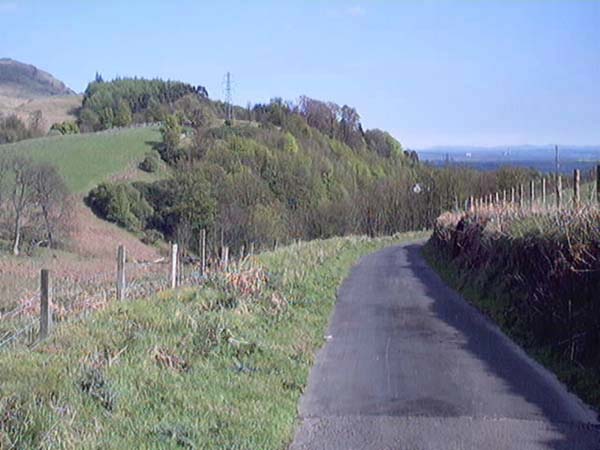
<point>221,366</point>
<point>85,160</point>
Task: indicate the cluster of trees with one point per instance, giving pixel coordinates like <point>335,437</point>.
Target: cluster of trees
<point>13,129</point>
<point>284,178</point>
<point>34,203</point>
<point>124,101</point>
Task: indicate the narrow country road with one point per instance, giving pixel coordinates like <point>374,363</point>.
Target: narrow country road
<point>410,365</point>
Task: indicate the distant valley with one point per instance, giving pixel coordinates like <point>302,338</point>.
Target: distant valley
<point>541,158</point>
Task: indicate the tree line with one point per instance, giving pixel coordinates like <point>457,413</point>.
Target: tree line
<point>124,101</point>
<point>295,171</point>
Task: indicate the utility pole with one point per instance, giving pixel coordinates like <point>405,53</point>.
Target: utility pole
<point>228,98</point>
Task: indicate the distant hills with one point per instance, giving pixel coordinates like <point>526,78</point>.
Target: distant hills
<point>540,157</point>
<point>25,89</point>
<point>19,80</point>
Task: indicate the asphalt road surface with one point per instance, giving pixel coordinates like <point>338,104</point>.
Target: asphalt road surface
<point>408,364</point>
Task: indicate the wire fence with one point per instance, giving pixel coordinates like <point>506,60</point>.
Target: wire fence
<point>70,298</point>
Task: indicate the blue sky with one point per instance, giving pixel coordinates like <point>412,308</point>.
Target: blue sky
<point>431,72</point>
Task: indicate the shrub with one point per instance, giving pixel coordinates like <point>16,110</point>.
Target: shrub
<point>150,163</point>
<point>121,204</point>
<point>151,237</point>
<point>66,127</point>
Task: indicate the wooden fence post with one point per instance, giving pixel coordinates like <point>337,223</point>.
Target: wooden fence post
<point>558,191</point>
<point>576,188</point>
<point>121,273</point>
<point>521,195</point>
<point>544,192</point>
<point>174,251</point>
<point>224,257</point>
<point>45,304</point>
<point>202,252</point>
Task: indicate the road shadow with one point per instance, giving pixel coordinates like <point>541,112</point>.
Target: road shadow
<point>502,359</point>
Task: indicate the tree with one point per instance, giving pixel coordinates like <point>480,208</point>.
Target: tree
<point>23,195</point>
<point>51,195</point>
<point>123,117</point>
<point>36,124</point>
<point>171,135</point>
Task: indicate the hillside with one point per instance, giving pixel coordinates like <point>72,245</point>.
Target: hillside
<point>85,160</point>
<point>25,89</point>
<point>18,80</point>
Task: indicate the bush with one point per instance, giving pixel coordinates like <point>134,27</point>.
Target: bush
<point>66,127</point>
<point>151,237</point>
<point>150,163</point>
<point>121,204</point>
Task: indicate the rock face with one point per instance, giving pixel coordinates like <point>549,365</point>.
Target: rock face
<point>19,80</point>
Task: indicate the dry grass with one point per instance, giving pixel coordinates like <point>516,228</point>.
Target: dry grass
<point>54,108</point>
<point>536,272</point>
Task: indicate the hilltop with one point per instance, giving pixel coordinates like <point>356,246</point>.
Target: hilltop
<point>25,89</point>
<point>25,81</point>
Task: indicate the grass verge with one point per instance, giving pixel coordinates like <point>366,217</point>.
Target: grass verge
<point>222,366</point>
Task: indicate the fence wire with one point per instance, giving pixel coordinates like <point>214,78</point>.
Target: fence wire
<point>76,298</point>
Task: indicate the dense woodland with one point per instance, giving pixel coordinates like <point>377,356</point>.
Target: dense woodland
<point>126,101</point>
<point>280,171</point>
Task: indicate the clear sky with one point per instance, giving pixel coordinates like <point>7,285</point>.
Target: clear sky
<point>430,72</point>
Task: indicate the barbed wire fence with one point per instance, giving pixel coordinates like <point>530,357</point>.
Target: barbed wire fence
<point>64,299</point>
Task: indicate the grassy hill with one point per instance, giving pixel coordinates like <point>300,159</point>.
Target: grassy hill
<point>87,159</point>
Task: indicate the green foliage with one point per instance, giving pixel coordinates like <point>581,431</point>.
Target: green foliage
<point>171,137</point>
<point>150,163</point>
<point>130,100</point>
<point>383,143</point>
<point>121,204</point>
<point>66,127</point>
<point>123,115</point>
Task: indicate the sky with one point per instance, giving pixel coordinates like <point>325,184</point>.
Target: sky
<point>433,73</point>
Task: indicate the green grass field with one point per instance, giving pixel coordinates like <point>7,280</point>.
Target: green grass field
<point>85,160</point>
<point>218,367</point>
